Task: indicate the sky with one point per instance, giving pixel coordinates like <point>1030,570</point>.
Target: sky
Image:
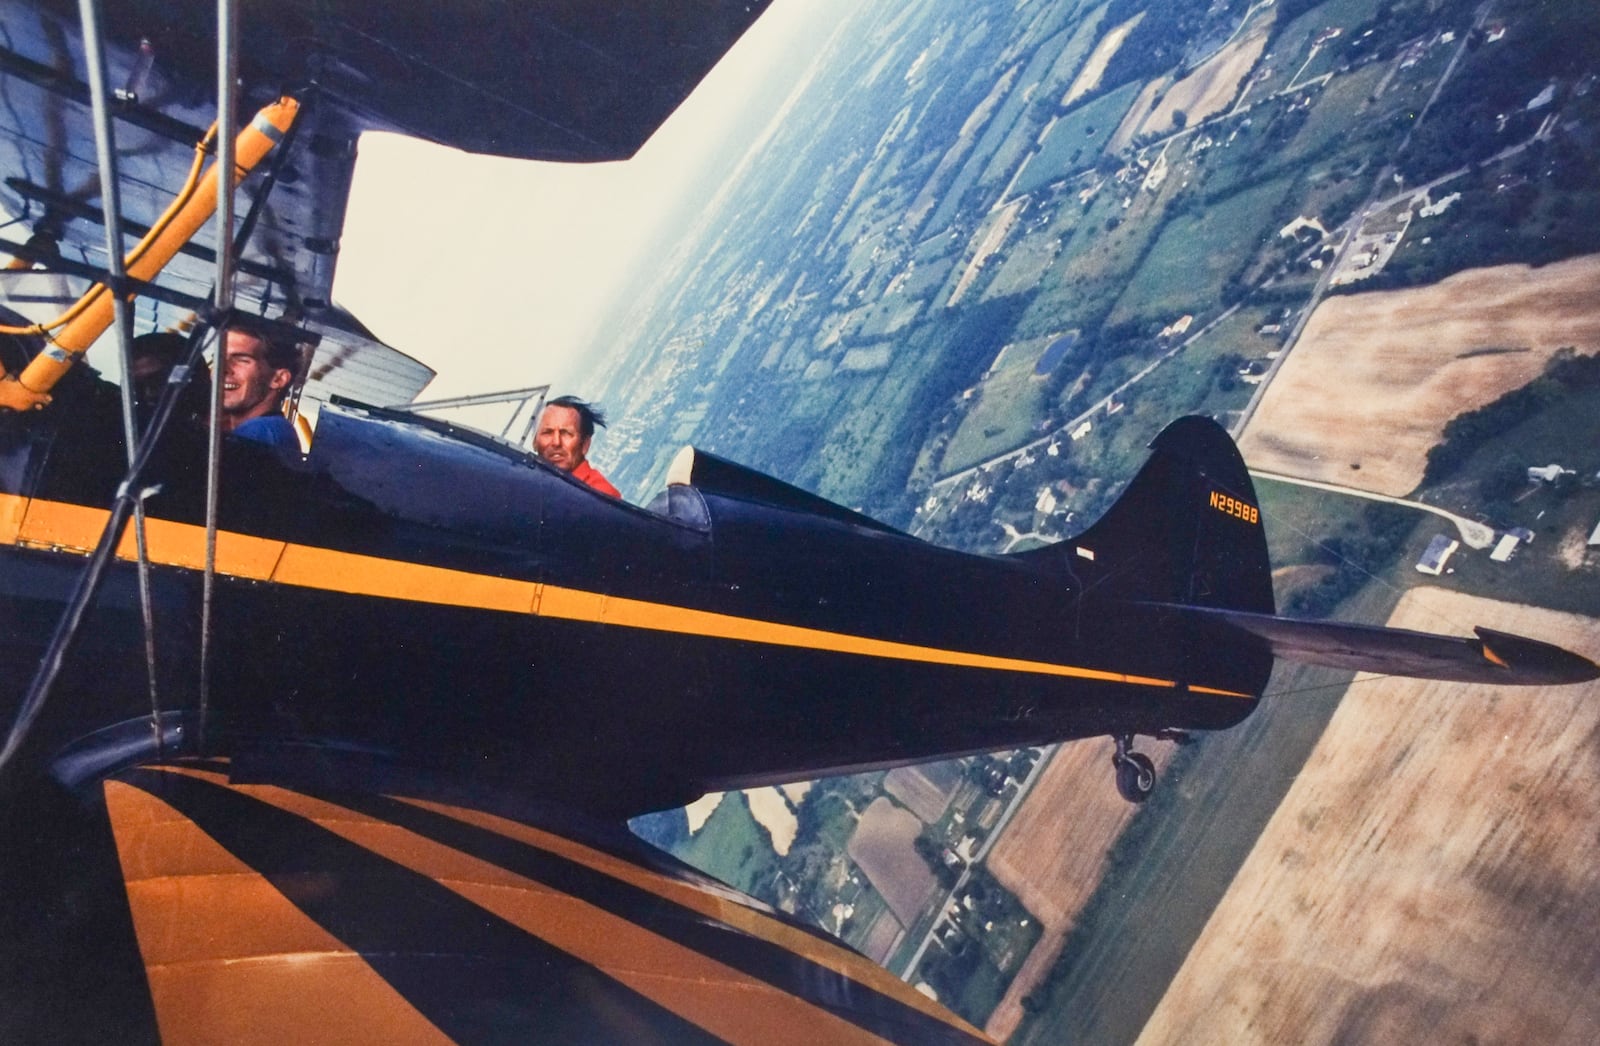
<point>495,272</point>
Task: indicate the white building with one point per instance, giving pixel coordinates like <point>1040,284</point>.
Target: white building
<point>1439,551</point>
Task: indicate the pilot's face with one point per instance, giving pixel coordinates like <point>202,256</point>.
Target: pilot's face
<point>560,439</point>
<point>249,383</point>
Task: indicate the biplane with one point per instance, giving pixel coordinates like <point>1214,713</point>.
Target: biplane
<point>341,747</point>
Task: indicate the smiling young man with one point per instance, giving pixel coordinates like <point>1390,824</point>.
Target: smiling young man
<point>257,372</point>
<point>565,430</point>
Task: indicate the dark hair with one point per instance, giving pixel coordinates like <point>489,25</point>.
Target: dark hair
<point>588,415</point>
<point>169,347</point>
<point>278,350</point>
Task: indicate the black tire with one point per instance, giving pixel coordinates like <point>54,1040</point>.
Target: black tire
<point>1136,777</point>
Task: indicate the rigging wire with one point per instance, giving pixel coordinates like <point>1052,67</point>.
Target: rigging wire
<point>130,494</point>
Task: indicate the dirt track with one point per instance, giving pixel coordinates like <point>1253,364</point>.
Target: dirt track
<point>1433,875</point>
<point>1375,377</point>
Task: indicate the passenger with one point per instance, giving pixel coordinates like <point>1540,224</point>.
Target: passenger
<point>154,357</point>
<point>257,372</point>
<point>565,430</point>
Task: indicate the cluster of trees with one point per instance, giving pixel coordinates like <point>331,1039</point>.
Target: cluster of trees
<point>1484,107</point>
<point>1566,373</point>
<point>930,847</point>
<point>1356,553</point>
<point>1160,40</point>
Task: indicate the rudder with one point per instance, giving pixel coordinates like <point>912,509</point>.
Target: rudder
<point>1187,530</point>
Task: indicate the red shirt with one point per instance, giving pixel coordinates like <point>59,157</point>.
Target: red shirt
<point>590,475</point>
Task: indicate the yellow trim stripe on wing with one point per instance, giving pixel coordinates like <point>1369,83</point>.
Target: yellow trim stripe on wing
<point>725,1001</point>
<point>823,952</point>
<point>228,957</point>
<point>57,525</point>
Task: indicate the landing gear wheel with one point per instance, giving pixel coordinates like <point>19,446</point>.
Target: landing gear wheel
<point>1136,774</point>
<point>1136,777</point>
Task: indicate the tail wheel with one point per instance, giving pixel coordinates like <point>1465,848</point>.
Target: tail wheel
<point>1136,777</point>
<point>1136,774</point>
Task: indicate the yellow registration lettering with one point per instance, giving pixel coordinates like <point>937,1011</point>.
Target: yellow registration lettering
<point>1234,507</point>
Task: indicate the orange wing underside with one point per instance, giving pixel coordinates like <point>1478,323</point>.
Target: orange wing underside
<point>265,914</point>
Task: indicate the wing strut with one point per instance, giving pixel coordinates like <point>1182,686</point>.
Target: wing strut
<point>222,302</point>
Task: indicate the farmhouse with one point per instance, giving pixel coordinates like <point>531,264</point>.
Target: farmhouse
<point>1177,326</point>
<point>1547,473</point>
<point>1438,553</point>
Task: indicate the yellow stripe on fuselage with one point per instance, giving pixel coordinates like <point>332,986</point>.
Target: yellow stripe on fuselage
<point>67,527</point>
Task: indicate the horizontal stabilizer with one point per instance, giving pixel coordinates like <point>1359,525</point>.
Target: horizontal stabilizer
<point>1494,657</point>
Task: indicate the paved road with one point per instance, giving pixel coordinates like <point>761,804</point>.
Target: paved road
<point>1023,788</point>
<point>1473,533</point>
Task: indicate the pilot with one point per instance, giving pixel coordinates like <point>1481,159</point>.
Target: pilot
<point>257,372</point>
<point>565,430</point>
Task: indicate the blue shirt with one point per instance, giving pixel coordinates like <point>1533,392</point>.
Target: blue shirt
<point>272,429</point>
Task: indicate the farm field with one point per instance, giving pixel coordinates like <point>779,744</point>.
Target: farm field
<point>1053,854</point>
<point>1432,875</point>
<point>1197,252</point>
<point>881,847</point>
<point>1089,77</point>
<point>1388,369</point>
<point>1213,86</point>
<point>1008,400</point>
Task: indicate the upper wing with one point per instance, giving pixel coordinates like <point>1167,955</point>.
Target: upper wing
<point>544,79</point>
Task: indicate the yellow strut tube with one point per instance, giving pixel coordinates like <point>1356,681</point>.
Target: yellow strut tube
<point>30,390</point>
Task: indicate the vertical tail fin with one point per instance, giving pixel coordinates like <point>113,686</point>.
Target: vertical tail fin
<point>1187,530</point>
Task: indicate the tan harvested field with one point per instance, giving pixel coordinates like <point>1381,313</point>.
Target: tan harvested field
<point>1052,854</point>
<point>1089,77</point>
<point>1148,96</point>
<point>993,237</point>
<point>1213,86</point>
<point>1432,876</point>
<point>881,847</point>
<point>1375,377</point>
<point>924,790</point>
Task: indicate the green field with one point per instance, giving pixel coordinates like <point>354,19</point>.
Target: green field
<point>1335,121</point>
<point>1025,264</point>
<point>1077,139</point>
<point>733,848</point>
<point>1292,44</point>
<point>1196,254</point>
<point>1006,414</point>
